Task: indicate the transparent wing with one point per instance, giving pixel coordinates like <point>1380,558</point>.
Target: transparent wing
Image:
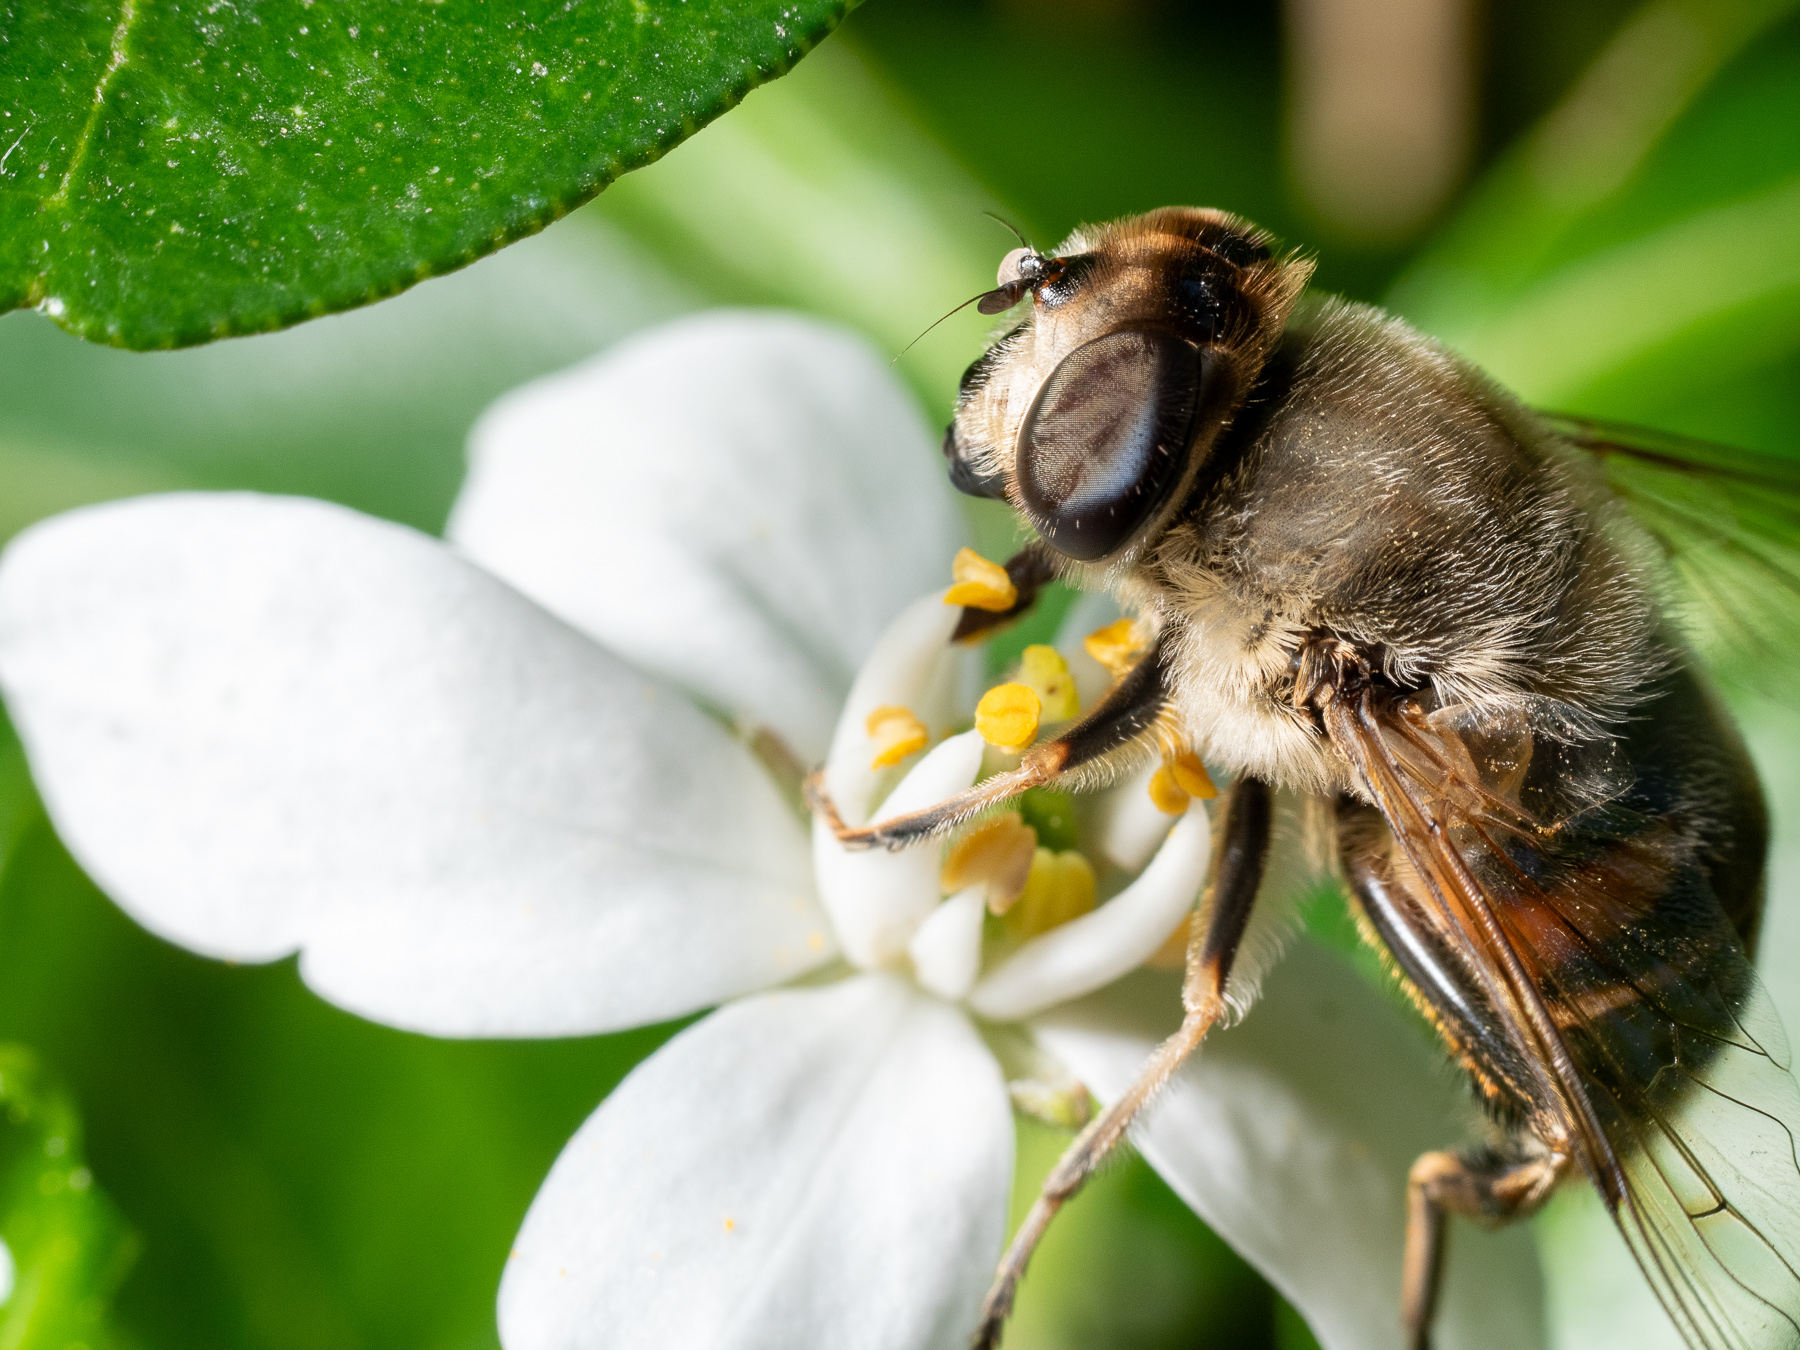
<point>1620,979</point>
<point>1708,1149</point>
<point>1728,521</point>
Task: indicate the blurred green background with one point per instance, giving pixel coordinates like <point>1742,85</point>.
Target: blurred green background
<point>1599,201</point>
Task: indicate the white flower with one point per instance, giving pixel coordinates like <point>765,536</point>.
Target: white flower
<point>493,790</point>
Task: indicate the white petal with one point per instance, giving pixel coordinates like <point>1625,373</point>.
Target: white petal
<point>905,665</point>
<point>877,899</point>
<point>737,501</point>
<point>1080,956</point>
<point>817,1169</point>
<point>265,724</point>
<point>1291,1135</point>
<point>1130,824</point>
<point>946,949</point>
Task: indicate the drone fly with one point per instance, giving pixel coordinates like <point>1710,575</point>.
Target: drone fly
<point>1465,633</point>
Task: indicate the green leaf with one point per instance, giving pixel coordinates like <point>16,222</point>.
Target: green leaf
<point>176,170</point>
<point>66,1248</point>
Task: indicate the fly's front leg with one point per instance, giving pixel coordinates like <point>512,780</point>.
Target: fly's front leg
<point>1492,1190</point>
<point>1126,713</point>
<point>1225,911</point>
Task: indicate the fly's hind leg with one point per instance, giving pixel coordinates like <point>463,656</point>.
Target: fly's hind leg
<point>1481,1185</point>
<point>1237,874</point>
<point>1129,710</point>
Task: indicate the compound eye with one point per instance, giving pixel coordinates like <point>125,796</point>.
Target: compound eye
<point>1106,439</point>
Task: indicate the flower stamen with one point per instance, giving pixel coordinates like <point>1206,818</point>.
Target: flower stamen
<point>1064,1106</point>
<point>980,584</point>
<point>1007,716</point>
<point>1060,887</point>
<point>1181,778</point>
<point>1168,794</point>
<point>1191,775</point>
<point>996,854</point>
<point>894,733</point>
<point>1118,646</point>
<point>1043,670</point>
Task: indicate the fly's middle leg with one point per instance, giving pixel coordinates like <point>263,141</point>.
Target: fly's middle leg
<point>1238,862</point>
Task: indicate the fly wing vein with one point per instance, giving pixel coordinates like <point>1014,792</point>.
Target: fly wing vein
<point>1645,1054</point>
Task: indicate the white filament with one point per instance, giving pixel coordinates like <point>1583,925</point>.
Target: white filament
<point>946,949</point>
<point>1131,823</point>
<point>877,899</point>
<point>903,666</point>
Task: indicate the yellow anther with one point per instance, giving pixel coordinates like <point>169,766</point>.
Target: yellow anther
<point>1059,888</point>
<point>996,853</point>
<point>1116,646</point>
<point>1172,955</point>
<point>1007,716</point>
<point>980,584</point>
<point>1190,775</point>
<point>1046,673</point>
<point>1170,797</point>
<point>895,733</point>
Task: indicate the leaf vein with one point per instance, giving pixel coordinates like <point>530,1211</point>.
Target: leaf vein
<point>128,13</point>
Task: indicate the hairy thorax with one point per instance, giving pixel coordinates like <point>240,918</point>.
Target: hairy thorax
<point>1375,491</point>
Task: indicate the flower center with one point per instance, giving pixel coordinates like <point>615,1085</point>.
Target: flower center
<point>1026,906</point>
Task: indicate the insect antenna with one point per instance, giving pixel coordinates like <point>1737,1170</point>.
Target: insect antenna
<point>1016,232</point>
<point>1011,296</point>
<point>915,342</point>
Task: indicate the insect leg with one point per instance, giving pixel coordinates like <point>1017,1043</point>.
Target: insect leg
<point>1127,712</point>
<point>1237,873</point>
<point>1030,570</point>
<point>1480,1186</point>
